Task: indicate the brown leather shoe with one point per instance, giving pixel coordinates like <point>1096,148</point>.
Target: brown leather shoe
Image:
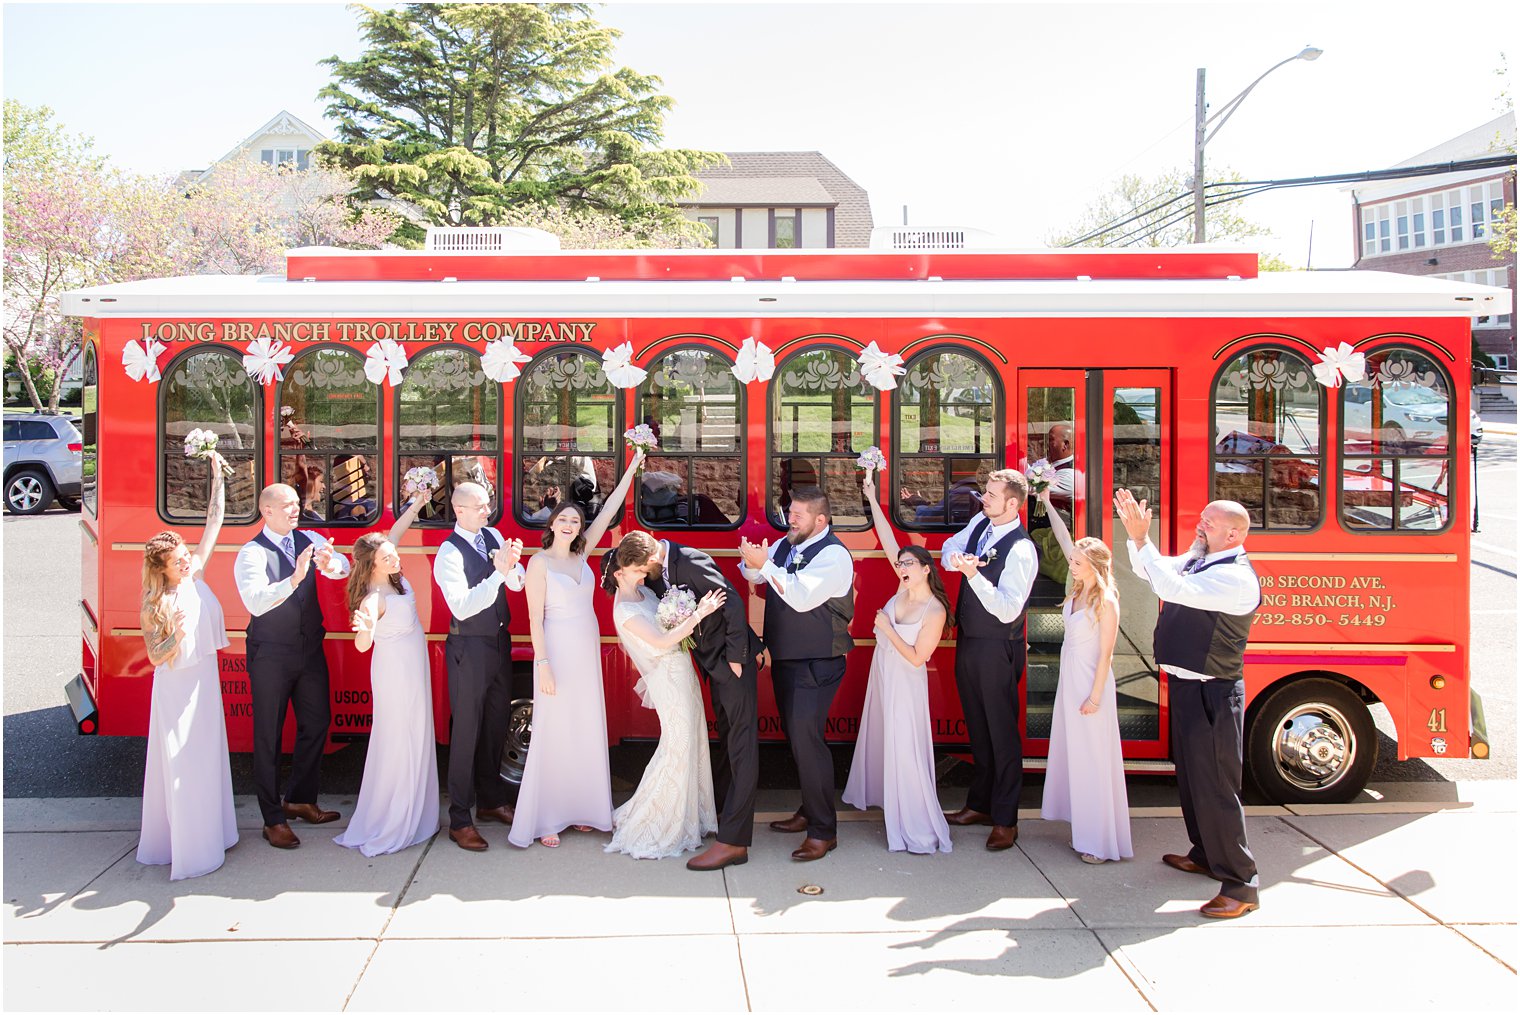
<point>1178,861</point>
<point>814,849</point>
<point>1002,837</point>
<point>311,814</point>
<point>503,814</point>
<point>280,836</point>
<point>1221,908</point>
<point>795,823</point>
<point>966,816</point>
<point>717,856</point>
<point>468,838</point>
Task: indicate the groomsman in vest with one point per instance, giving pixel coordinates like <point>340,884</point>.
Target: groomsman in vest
<point>1210,598</point>
<point>286,664</point>
<point>808,608</point>
<point>998,562</point>
<point>474,568</point>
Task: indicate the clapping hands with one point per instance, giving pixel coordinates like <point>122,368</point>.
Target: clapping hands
<point>967,563</point>
<point>303,565</point>
<point>754,555</point>
<point>1135,516</point>
<point>506,558</point>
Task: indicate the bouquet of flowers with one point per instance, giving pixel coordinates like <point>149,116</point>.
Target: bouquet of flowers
<point>422,479</point>
<point>643,438</point>
<point>202,444</point>
<point>677,606</point>
<point>1040,475</point>
<point>871,458</point>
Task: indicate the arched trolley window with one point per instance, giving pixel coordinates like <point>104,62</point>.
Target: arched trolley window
<point>569,434</point>
<point>89,423</point>
<point>823,415</point>
<point>693,402</point>
<point>208,389</point>
<point>949,409</point>
<point>448,419</point>
<point>329,429</point>
<point>1268,444</point>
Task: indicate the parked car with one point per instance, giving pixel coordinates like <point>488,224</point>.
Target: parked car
<point>42,463</point>
<point>1414,416</point>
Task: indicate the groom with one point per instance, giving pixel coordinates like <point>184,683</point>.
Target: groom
<point>726,654</point>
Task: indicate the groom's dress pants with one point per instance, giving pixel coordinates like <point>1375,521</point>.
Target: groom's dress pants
<point>736,775</point>
<point>281,677</point>
<point>805,690</point>
<point>987,676</point>
<point>480,701</point>
<point>1208,717</point>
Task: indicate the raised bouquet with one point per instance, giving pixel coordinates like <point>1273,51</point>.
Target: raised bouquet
<point>643,438</point>
<point>422,479</point>
<point>1040,475</point>
<point>871,458</point>
<point>202,444</point>
<point>677,606</point>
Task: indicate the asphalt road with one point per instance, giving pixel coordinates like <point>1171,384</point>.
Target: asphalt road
<point>44,757</point>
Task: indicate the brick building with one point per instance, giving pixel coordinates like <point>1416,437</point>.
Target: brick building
<point>1439,225</point>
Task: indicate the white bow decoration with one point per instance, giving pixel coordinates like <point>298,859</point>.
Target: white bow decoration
<point>617,364</point>
<point>502,361</point>
<point>384,361</point>
<point>1340,362</point>
<point>266,358</point>
<point>880,369</point>
<point>755,362</point>
<point>141,361</point>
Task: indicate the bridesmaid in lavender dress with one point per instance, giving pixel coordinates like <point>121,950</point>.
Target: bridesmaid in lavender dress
<point>187,819</point>
<point>1084,780</point>
<point>398,799</point>
<point>566,781</point>
<point>893,767</point>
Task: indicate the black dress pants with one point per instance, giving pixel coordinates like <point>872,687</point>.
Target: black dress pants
<point>805,690</point>
<point>1208,718</point>
<point>987,672</point>
<point>736,775</point>
<point>480,701</point>
<point>281,676</point>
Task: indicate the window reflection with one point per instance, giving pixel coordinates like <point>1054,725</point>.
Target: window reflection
<point>209,390</point>
<point>823,414</point>
<point>1267,428</point>
<point>947,407</point>
<point>448,419</point>
<point>1398,448</point>
<point>568,433</point>
<point>330,437</point>
<point>691,401</point>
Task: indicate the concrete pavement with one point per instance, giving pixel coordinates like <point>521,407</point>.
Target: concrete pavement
<point>1406,902</point>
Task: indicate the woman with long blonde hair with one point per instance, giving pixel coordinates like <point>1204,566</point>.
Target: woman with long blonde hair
<point>398,799</point>
<point>1084,778</point>
<point>187,819</point>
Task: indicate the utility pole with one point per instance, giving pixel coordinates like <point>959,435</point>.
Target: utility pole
<point>1200,123</point>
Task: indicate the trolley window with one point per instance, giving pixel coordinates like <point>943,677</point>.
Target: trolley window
<point>209,390</point>
<point>1268,447</point>
<point>692,401</point>
<point>823,414</point>
<point>948,412</point>
<point>569,434</point>
<point>448,419</point>
<point>89,425</point>
<point>330,437</point>
<point>1396,430</point>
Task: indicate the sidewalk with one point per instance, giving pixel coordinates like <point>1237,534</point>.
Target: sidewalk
<point>1405,903</point>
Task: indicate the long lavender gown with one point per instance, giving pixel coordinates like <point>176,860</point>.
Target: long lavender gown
<point>893,767</point>
<point>1084,780</point>
<point>567,780</point>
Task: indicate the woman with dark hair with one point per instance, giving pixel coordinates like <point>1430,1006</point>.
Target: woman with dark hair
<point>566,780</point>
<point>893,766</point>
<point>398,799</point>
<point>187,819</point>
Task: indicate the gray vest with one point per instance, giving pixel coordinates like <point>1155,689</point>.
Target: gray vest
<point>971,618</point>
<point>490,622</point>
<point>1206,641</point>
<point>296,622</point>
<point>822,632</point>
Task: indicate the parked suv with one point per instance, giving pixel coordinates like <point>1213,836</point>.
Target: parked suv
<point>42,463</point>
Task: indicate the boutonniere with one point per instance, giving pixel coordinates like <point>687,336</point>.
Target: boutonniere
<point>799,560</point>
<point>989,556</point>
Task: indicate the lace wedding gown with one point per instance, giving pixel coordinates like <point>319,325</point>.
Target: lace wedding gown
<point>673,807</point>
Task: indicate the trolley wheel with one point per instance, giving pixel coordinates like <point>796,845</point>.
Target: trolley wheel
<point>28,492</point>
<point>514,757</point>
<point>1311,741</point>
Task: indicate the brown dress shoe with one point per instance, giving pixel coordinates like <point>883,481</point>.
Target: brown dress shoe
<point>814,849</point>
<point>311,813</point>
<point>468,838</point>
<point>1178,861</point>
<point>966,816</point>
<point>503,814</point>
<point>1221,908</point>
<point>795,823</point>
<point>280,836</point>
<point>1002,837</point>
<point>717,856</point>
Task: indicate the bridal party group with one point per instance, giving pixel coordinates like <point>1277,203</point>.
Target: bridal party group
<point>682,623</point>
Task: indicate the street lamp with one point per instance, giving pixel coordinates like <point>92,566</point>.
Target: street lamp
<point>1203,134</point>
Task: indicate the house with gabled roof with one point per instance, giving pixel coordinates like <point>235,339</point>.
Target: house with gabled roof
<point>284,140</point>
<point>779,200</point>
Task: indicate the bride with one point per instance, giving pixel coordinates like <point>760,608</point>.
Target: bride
<point>673,807</point>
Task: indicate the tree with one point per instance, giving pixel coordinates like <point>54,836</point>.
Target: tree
<point>597,230</point>
<point>467,111</point>
<point>1501,232</point>
<point>1158,212</point>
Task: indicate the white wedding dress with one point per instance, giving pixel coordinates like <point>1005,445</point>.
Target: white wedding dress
<point>673,807</point>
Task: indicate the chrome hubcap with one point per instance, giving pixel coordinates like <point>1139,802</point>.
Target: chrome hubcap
<point>26,492</point>
<point>519,734</point>
<point>1315,746</point>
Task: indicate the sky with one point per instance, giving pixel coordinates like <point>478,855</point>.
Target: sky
<point>1009,117</point>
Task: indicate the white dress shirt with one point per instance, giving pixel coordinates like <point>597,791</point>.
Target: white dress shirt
<point>1068,478</point>
<point>448,571</point>
<point>829,574</point>
<point>259,594</point>
<point>1006,599</point>
<point>1231,590</point>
